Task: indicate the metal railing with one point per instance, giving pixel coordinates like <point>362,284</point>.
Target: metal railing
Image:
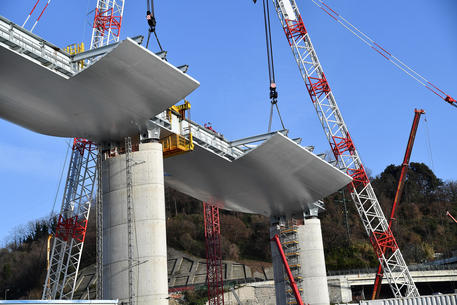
<point>24,43</point>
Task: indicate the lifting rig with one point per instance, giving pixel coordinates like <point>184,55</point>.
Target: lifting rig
<point>343,148</point>
<point>399,192</point>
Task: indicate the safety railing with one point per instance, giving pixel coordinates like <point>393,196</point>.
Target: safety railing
<point>24,43</point>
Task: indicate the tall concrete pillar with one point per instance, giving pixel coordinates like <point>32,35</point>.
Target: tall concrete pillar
<point>312,261</point>
<point>150,284</point>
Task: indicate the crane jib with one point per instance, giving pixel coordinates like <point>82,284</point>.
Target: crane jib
<point>362,193</point>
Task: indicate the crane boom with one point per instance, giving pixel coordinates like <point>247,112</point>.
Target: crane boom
<point>347,157</point>
<point>399,192</point>
<point>452,217</point>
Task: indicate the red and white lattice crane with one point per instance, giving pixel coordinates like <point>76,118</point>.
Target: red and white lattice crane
<point>343,148</point>
<point>79,191</point>
<point>71,227</point>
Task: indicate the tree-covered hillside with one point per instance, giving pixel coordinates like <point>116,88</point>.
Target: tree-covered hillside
<point>422,229</point>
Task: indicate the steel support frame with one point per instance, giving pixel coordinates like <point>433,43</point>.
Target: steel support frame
<point>107,22</point>
<point>130,216</point>
<point>214,268</point>
<point>72,224</point>
<point>99,225</point>
<point>346,155</point>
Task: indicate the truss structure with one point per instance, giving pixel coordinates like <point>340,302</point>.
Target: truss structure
<point>214,268</point>
<point>99,225</point>
<point>107,22</point>
<point>128,172</point>
<point>72,223</point>
<point>344,150</point>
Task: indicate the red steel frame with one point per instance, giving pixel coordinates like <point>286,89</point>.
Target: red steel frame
<point>104,21</point>
<point>107,22</point>
<point>214,269</point>
<point>399,192</point>
<point>292,282</point>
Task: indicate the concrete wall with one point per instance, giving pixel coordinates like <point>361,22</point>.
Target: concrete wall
<point>149,237</point>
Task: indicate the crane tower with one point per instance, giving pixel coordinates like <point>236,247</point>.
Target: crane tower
<point>343,148</point>
<point>72,223</point>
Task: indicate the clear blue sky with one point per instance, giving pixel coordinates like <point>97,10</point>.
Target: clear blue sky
<point>223,43</point>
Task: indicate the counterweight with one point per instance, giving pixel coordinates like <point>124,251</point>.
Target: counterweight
<point>344,150</point>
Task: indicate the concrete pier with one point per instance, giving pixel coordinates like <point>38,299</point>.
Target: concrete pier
<point>312,261</point>
<point>150,283</point>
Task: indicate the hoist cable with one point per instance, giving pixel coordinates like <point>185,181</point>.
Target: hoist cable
<point>271,70</point>
<point>383,52</point>
<point>280,118</point>
<point>150,17</point>
<point>266,18</point>
<point>429,143</point>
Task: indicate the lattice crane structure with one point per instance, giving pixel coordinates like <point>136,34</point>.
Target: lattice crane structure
<point>346,155</point>
<point>72,223</point>
<point>107,22</point>
<point>399,192</point>
<point>79,192</point>
<point>214,268</point>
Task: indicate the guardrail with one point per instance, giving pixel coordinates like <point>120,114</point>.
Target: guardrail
<point>411,268</point>
<point>201,136</point>
<point>24,43</point>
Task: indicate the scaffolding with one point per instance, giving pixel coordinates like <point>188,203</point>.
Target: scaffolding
<point>214,268</point>
<point>72,222</point>
<point>289,241</point>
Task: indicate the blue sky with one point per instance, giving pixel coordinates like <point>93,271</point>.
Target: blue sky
<point>223,43</point>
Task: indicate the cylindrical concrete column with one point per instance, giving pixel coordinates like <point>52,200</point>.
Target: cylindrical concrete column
<point>312,261</point>
<point>149,228</point>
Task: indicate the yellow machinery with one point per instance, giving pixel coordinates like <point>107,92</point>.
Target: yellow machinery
<point>176,144</point>
<point>75,49</point>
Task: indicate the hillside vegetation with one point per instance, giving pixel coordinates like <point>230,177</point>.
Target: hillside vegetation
<point>422,229</point>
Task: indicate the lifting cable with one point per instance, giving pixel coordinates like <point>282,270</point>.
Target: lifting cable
<point>150,17</point>
<point>429,143</point>
<point>383,52</point>
<point>271,69</point>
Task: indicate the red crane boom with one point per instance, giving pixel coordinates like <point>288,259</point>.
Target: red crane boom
<point>401,184</point>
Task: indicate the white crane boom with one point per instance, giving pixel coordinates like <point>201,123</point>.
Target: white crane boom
<point>347,157</point>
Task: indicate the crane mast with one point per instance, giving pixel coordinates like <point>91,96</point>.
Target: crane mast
<point>82,176</point>
<point>399,192</point>
<point>107,22</point>
<point>71,227</point>
<point>346,155</point>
